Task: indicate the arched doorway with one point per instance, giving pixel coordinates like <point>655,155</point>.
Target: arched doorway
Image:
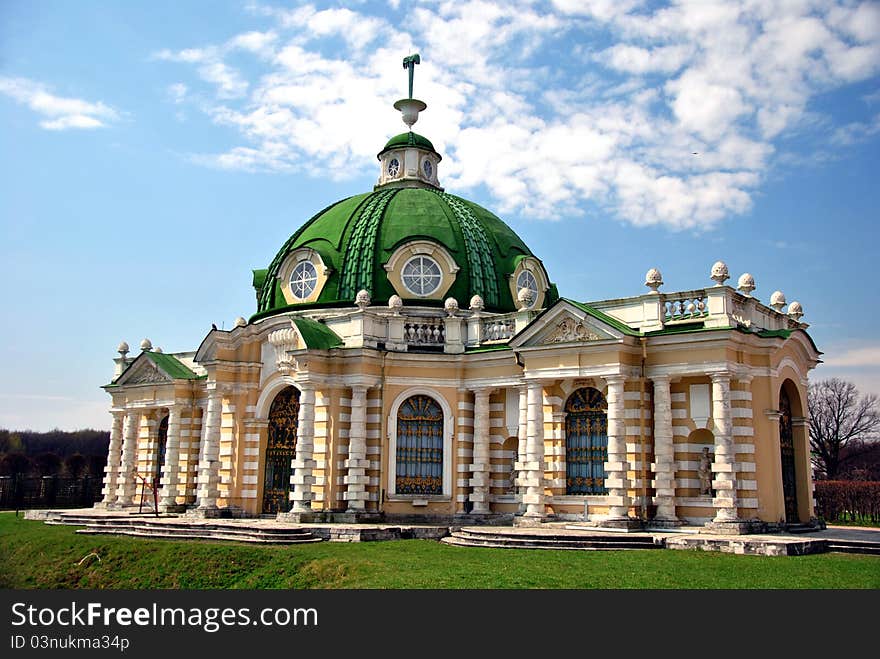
<point>419,453</point>
<point>161,446</point>
<point>586,442</point>
<point>786,448</point>
<point>280,450</point>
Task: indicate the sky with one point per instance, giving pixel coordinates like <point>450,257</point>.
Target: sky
<point>156,152</point>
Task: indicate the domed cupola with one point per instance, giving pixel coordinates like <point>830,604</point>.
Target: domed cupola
<point>407,238</point>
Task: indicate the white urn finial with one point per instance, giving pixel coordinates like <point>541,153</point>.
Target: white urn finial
<point>157,349</point>
<point>362,299</point>
<point>653,280</point>
<point>720,274</point>
<point>451,306</point>
<point>796,311</point>
<point>477,303</point>
<point>240,322</point>
<point>395,303</point>
<point>525,297</point>
<point>746,284</point>
<point>146,345</point>
<point>777,300</point>
<point>122,349</point>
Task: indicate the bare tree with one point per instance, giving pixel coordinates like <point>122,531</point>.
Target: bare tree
<point>839,416</point>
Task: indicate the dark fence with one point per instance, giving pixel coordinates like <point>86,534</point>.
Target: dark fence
<point>848,500</point>
<point>22,492</point>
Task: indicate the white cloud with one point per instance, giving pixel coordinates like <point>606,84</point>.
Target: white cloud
<point>675,120</point>
<point>859,357</point>
<point>60,113</point>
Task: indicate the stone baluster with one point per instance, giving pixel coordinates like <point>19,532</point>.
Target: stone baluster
<point>303,464</point>
<point>724,467</point>
<point>209,454</point>
<point>127,480</point>
<point>111,471</point>
<point>356,479</point>
<point>616,468</point>
<point>171,468</point>
<point>480,466</point>
<point>664,454</point>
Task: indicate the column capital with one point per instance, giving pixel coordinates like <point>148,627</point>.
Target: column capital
<point>720,376</point>
<point>663,378</point>
<point>615,378</point>
<point>305,385</point>
<point>483,391</point>
<point>359,388</point>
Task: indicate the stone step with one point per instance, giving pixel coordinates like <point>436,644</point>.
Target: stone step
<point>631,539</point>
<point>462,542</point>
<point>523,540</point>
<point>177,535</point>
<point>854,546</point>
<point>186,528</point>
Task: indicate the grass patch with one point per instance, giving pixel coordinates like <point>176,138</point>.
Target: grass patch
<point>35,555</point>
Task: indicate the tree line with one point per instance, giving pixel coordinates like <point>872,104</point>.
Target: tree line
<point>55,453</point>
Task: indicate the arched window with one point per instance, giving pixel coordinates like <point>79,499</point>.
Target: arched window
<point>586,442</point>
<point>419,452</point>
<point>786,447</point>
<point>161,445</point>
<point>280,450</point>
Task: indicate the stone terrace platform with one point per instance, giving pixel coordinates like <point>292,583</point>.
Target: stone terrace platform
<point>552,535</point>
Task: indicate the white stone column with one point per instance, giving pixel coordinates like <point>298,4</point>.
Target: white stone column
<point>171,468</point>
<point>616,480</point>
<point>303,464</point>
<point>480,465</point>
<point>531,470</point>
<point>111,471</point>
<point>723,468</point>
<point>664,453</point>
<point>127,480</point>
<point>522,437</point>
<point>356,479</point>
<point>209,454</point>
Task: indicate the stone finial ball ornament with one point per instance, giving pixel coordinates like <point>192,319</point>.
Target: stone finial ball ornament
<point>158,350</point>
<point>777,300</point>
<point>395,303</point>
<point>123,348</point>
<point>653,279</point>
<point>146,345</point>
<point>525,297</point>
<point>746,283</point>
<point>451,306</point>
<point>362,299</point>
<point>795,310</point>
<point>477,303</point>
<point>720,273</point>
<point>240,322</point>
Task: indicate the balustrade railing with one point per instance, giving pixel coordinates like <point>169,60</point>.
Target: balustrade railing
<point>424,332</point>
<point>686,307</point>
<point>497,329</point>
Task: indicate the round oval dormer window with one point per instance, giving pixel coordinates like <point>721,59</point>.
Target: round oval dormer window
<point>421,275</point>
<point>427,168</point>
<point>527,280</point>
<point>393,167</point>
<point>303,280</point>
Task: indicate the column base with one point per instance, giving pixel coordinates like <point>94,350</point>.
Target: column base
<point>529,521</point>
<point>172,508</point>
<point>621,523</point>
<point>665,523</point>
<point>482,519</point>
<point>208,512</point>
<point>300,517</point>
<point>732,527</point>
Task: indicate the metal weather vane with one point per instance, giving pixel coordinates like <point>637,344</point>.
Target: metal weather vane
<point>410,62</point>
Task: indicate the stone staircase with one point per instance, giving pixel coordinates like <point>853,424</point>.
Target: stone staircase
<point>853,546</point>
<point>545,539</point>
<point>167,528</point>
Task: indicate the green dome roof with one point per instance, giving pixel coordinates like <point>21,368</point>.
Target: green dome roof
<point>356,237</point>
<point>409,139</point>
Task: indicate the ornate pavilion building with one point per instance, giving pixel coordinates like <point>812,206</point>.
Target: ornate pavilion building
<point>410,359</point>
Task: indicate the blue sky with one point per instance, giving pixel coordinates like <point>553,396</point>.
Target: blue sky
<point>156,152</point>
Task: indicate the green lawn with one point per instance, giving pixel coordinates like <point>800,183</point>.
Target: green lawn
<point>34,555</point>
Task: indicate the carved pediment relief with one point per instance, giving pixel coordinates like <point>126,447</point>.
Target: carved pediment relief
<point>145,373</point>
<point>570,329</point>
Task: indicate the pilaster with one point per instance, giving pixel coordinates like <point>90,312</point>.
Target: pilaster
<point>303,464</point>
<point>356,480</point>
<point>171,468</point>
<point>111,471</point>
<point>127,480</point>
<point>480,467</point>
<point>664,455</point>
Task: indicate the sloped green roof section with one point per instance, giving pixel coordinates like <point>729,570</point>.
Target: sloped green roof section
<point>171,365</point>
<point>317,335</point>
<point>357,236</point>
<point>604,317</point>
